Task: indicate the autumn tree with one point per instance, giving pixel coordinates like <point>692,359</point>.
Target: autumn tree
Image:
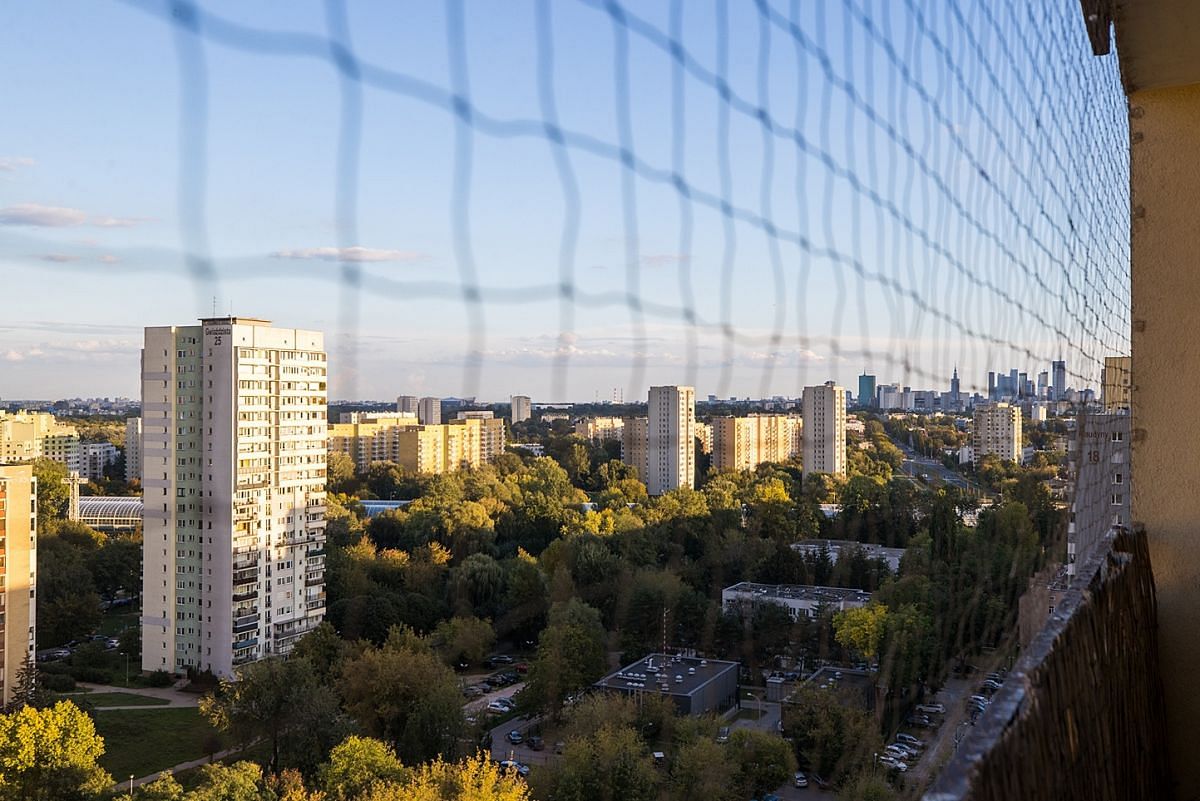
<point>50,754</point>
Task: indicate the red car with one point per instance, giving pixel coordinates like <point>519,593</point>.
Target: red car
<point>521,667</point>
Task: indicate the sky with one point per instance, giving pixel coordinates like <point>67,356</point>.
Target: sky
<point>547,198</point>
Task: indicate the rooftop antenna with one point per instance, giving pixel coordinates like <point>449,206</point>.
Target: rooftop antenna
<point>214,305</point>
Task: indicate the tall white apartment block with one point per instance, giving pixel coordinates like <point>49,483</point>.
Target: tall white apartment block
<point>824,448</point>
<point>233,462</point>
<point>406,404</point>
<point>133,449</point>
<point>429,411</point>
<point>670,439</point>
<point>522,408</point>
<point>997,429</point>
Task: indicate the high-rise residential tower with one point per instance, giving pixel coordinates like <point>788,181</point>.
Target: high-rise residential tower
<point>522,408</point>
<point>670,439</point>
<point>824,448</point>
<point>406,404</point>
<point>133,449</point>
<point>866,391</point>
<point>18,572</point>
<point>233,462</point>
<point>997,429</point>
<point>429,411</point>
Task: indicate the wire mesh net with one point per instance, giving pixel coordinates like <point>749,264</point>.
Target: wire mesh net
<point>748,197</point>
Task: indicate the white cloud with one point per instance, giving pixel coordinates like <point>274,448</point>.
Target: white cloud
<point>11,356</point>
<point>58,258</point>
<point>109,259</point>
<point>39,216</point>
<point>353,254</point>
<point>661,259</point>
<point>12,163</point>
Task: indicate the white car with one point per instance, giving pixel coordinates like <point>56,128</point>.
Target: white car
<point>906,751</point>
<point>896,752</point>
<point>932,709</point>
<point>893,763</point>
<point>800,780</point>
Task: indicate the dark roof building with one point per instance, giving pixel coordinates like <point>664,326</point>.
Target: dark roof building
<point>697,686</point>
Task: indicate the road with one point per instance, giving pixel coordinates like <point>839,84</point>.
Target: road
<point>915,465</point>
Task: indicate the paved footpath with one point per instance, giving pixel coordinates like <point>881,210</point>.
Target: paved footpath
<point>173,697</point>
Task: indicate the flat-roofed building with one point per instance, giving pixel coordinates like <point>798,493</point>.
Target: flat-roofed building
<point>600,429</point>
<point>670,439</point>
<point>492,433</point>
<point>801,600</point>
<point>25,436</point>
<point>743,443</point>
<point>697,686</point>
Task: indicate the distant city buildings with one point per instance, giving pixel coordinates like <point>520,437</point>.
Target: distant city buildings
<point>824,449</point>
<point>743,443</point>
<point>522,408</point>
<point>469,441</point>
<point>866,391</point>
<point>133,449</point>
<point>704,437</point>
<point>1058,388</point>
<point>407,404</point>
<point>996,430</point>
<point>18,573</point>
<point>234,437</point>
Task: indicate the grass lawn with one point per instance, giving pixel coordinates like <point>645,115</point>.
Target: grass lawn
<point>139,742</point>
<point>120,699</point>
<point>114,622</point>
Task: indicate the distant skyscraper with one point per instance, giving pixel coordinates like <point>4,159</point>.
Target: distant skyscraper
<point>670,439</point>
<point>429,411</point>
<point>1059,372</point>
<point>955,393</point>
<point>991,384</point>
<point>824,448</point>
<point>1043,384</point>
<point>407,404</point>
<point>522,408</point>
<point>18,572</point>
<point>234,423</point>
<point>866,390</point>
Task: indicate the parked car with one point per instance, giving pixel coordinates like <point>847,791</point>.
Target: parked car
<point>496,660</point>
<point>799,780</point>
<point>559,747</point>
<point>896,752</point>
<point>979,699</point>
<point>920,721</point>
<point>497,708</point>
<point>905,752</point>
<point>723,734</point>
<point>932,709</point>
<point>515,737</point>
<point>521,667</point>
<point>535,743</point>
<point>510,677</point>
<point>908,739</point>
<point>513,765</point>
<point>472,692</point>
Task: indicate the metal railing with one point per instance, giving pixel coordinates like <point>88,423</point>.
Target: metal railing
<point>1082,714</point>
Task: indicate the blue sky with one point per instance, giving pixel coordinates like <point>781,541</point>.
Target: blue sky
<point>973,247</point>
